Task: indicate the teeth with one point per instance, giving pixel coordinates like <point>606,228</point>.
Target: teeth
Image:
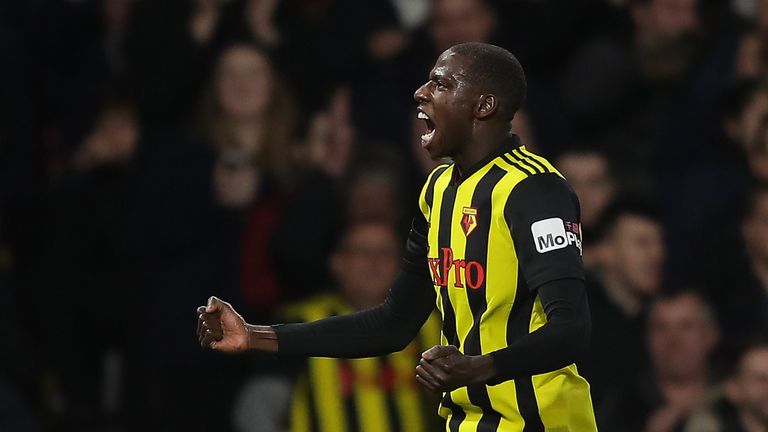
<point>423,116</point>
<point>428,136</point>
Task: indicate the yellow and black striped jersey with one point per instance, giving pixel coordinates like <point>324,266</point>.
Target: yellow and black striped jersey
<point>496,233</point>
<point>375,394</point>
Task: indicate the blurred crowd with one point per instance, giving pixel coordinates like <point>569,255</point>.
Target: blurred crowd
<point>154,153</point>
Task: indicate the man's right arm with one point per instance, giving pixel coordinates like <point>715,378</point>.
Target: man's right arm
<point>386,328</point>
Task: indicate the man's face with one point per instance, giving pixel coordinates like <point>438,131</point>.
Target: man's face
<point>751,384</point>
<point>588,175</point>
<point>366,263</point>
<point>680,336</point>
<point>659,19</point>
<point>635,253</point>
<point>446,104</point>
<point>457,21</point>
<point>755,229</point>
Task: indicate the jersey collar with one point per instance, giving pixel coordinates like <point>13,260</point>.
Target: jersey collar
<point>512,142</point>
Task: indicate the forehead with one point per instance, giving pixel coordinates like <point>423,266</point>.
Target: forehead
<point>679,308</point>
<point>451,64</point>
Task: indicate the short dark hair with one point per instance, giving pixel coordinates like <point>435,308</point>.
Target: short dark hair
<point>671,292</point>
<point>627,205</point>
<point>497,70</point>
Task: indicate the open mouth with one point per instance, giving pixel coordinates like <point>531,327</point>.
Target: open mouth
<point>426,138</point>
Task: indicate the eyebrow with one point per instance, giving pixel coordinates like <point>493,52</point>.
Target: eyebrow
<point>437,75</point>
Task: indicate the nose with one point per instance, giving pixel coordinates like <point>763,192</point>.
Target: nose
<point>420,95</point>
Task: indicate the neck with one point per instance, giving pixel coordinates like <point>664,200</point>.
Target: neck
<point>247,134</point>
<point>625,298</point>
<point>480,145</point>
<point>683,390</point>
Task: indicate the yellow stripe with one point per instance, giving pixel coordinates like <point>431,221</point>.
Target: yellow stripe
<point>541,160</point>
<point>423,204</point>
<point>300,406</point>
<point>326,384</point>
<point>406,390</point>
<point>501,286</point>
<point>513,170</point>
<point>369,397</point>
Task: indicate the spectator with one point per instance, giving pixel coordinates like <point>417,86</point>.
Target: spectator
<point>590,174</point>
<point>630,256</point>
<point>682,334</point>
<point>327,393</point>
<point>743,405</point>
<point>90,274</point>
<point>743,307</point>
<point>249,119</point>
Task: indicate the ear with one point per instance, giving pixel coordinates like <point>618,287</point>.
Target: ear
<point>487,104</point>
<point>337,263</point>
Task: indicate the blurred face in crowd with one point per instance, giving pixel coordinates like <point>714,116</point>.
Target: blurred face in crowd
<point>633,254</point>
<point>366,263</point>
<point>372,197</point>
<point>243,83</point>
<point>748,390</point>
<point>755,229</point>
<point>457,21</point>
<point>750,130</point>
<point>664,19</point>
<point>590,178</point>
<point>681,335</point>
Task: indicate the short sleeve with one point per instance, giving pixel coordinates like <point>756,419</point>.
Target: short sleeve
<point>543,215</point>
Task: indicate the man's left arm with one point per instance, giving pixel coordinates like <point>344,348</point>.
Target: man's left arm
<point>543,214</point>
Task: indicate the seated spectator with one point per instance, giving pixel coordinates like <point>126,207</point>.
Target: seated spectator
<point>742,405</point>
<point>629,255</point>
<point>590,174</point>
<point>682,334</point>
<point>738,280</point>
<point>333,394</point>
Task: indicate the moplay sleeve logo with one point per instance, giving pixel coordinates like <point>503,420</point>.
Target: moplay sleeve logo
<point>550,234</point>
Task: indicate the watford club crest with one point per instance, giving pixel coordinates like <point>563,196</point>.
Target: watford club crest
<point>469,220</point>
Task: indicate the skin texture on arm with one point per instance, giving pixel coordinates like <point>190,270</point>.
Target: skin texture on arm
<point>386,328</point>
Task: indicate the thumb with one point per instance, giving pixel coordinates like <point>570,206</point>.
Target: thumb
<point>438,351</point>
<point>214,305</point>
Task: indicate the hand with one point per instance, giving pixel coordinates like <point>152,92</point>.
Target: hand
<point>220,328</point>
<point>444,368</point>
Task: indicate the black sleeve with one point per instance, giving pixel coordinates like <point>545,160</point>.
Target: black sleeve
<point>543,215</point>
<point>386,328</point>
<point>556,344</point>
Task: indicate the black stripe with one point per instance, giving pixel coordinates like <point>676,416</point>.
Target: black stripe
<point>444,241</point>
<point>430,192</point>
<point>395,417</point>
<point>525,162</point>
<point>350,404</point>
<point>477,251</point>
<point>514,164</point>
<point>457,414</point>
<point>534,158</point>
<point>449,318</point>
<point>517,327</point>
